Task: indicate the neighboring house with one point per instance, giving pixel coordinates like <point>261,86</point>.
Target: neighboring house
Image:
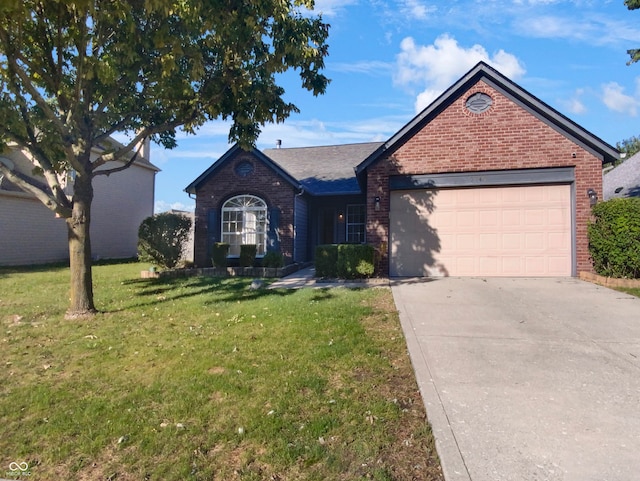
<point>624,180</point>
<point>187,254</point>
<point>486,181</point>
<point>30,233</point>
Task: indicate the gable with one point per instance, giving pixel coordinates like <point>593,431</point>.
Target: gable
<point>241,169</point>
<point>484,79</point>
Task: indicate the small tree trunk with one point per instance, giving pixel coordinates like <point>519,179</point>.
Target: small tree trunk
<point>78,226</point>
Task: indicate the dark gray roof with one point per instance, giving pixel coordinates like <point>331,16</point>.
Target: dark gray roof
<point>324,170</point>
<point>625,177</point>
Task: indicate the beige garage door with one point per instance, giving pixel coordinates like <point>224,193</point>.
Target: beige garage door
<point>493,231</point>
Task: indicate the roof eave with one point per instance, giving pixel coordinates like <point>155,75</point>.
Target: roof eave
<point>193,186</point>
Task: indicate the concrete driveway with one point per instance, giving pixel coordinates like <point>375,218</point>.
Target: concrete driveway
<point>527,379</point>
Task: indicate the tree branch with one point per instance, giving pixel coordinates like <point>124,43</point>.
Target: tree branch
<point>17,70</point>
<point>126,165</point>
<point>39,192</point>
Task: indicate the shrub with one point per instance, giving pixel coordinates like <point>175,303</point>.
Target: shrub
<point>273,259</point>
<point>162,237</point>
<point>614,238</point>
<point>219,253</point>
<point>355,261</point>
<point>326,260</point>
<point>247,255</point>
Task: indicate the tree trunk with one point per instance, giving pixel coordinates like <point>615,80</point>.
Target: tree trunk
<point>78,227</point>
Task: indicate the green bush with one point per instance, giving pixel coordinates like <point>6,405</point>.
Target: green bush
<point>273,259</point>
<point>248,255</point>
<point>162,238</point>
<point>614,238</point>
<point>355,261</point>
<point>346,261</point>
<point>219,253</point>
<point>326,260</point>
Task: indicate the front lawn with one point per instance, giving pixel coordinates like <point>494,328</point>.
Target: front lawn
<point>205,379</point>
<point>634,291</point>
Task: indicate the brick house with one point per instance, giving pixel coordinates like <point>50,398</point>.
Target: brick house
<point>487,180</point>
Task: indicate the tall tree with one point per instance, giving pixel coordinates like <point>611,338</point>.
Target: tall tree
<point>72,73</point>
<point>634,52</point>
<point>630,146</point>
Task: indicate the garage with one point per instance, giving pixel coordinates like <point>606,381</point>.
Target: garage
<point>513,231</point>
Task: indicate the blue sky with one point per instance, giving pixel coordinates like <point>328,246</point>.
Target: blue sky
<point>389,59</point>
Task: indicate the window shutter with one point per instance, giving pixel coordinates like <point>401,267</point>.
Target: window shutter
<point>273,238</point>
<point>213,230</point>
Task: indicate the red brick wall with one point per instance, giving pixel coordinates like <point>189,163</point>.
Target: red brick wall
<point>225,183</point>
<point>504,137</point>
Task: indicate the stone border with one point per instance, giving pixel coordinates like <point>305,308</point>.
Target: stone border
<point>220,272</point>
<point>609,281</point>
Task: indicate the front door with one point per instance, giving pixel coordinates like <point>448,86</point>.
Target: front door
<point>326,226</point>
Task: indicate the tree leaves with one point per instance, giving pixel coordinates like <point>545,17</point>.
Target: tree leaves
<point>634,53</point>
<point>95,67</point>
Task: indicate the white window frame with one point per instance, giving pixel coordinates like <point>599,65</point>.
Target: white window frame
<point>362,232</point>
<point>244,221</point>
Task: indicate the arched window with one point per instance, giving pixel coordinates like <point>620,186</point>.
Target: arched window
<point>244,221</point>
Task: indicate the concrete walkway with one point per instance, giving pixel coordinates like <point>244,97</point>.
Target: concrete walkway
<point>527,379</point>
<point>306,278</point>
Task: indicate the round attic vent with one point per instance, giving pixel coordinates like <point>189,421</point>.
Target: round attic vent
<point>244,168</point>
<point>478,103</point>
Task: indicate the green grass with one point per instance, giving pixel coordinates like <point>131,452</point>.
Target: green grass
<point>634,291</point>
<point>203,378</point>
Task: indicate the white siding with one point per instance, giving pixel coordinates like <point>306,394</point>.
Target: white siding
<point>29,232</point>
<point>121,202</point>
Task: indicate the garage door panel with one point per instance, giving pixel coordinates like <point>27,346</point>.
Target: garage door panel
<point>511,241</point>
<point>534,217</point>
<point>497,231</point>
<point>488,241</point>
<point>512,217</point>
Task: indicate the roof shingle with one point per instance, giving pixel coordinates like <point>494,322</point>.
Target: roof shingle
<point>324,170</point>
<point>625,179</point>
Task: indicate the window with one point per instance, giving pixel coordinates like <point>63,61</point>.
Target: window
<point>244,221</point>
<point>356,220</point>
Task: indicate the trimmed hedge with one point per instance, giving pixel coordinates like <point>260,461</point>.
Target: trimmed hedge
<point>614,238</point>
<point>355,261</point>
<point>273,259</point>
<point>219,253</point>
<point>327,260</point>
<point>248,255</point>
<point>162,238</point>
<point>345,261</point>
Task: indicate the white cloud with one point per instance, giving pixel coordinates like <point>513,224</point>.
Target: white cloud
<point>331,8</point>
<point>576,107</point>
<point>593,29</point>
<point>417,10</point>
<point>574,104</point>
<point>615,99</point>
<point>368,67</point>
<point>305,133</point>
<point>433,68</point>
<point>162,206</point>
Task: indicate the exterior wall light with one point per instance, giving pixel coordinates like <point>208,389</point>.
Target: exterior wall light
<point>376,203</point>
<point>593,197</point>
